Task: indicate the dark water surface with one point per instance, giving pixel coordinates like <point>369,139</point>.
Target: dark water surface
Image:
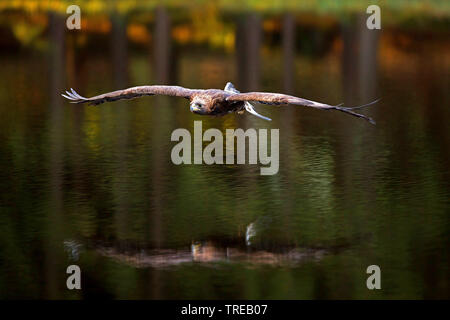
<point>95,185</point>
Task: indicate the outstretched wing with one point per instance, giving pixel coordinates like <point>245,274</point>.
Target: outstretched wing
<point>131,93</point>
<point>277,98</point>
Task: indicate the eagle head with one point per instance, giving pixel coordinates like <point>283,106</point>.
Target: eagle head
<point>198,107</point>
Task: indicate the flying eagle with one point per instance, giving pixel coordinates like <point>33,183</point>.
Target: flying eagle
<point>214,102</point>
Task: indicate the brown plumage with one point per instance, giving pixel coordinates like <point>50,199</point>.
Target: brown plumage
<point>214,102</point>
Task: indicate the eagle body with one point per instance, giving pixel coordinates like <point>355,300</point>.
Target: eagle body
<point>214,102</point>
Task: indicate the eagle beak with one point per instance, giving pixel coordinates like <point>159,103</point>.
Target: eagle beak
<point>194,108</point>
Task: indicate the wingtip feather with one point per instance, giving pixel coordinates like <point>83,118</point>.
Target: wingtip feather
<point>73,96</point>
<point>67,96</point>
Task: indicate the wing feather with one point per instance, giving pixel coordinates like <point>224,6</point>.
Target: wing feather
<point>278,98</point>
<point>130,93</point>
